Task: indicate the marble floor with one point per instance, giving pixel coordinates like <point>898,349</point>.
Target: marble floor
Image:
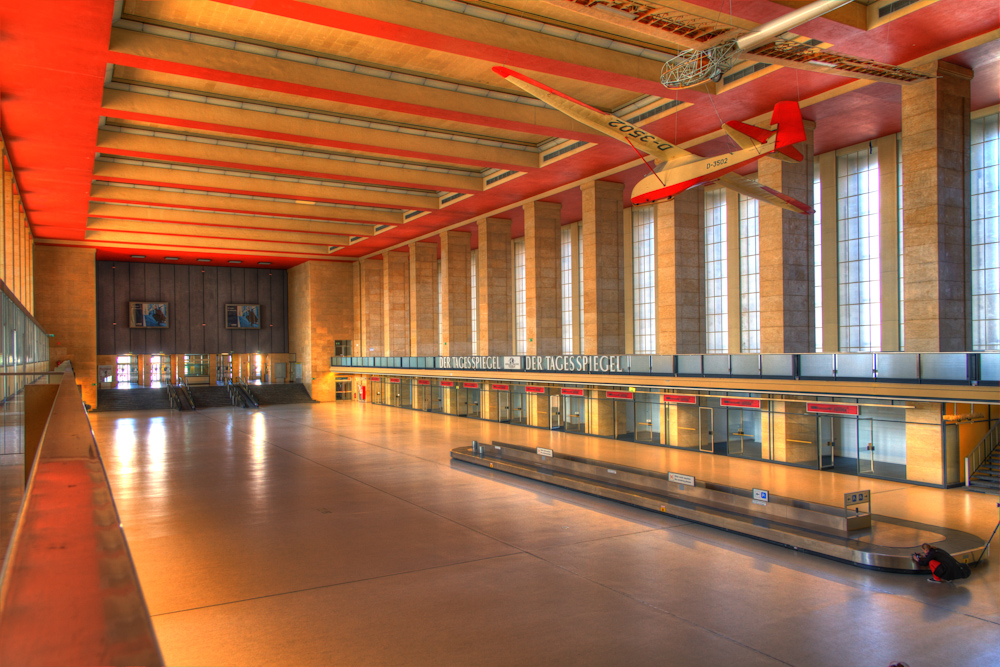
<point>343,534</point>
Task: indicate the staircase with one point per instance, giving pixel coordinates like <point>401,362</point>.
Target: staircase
<point>986,478</point>
<point>208,396</point>
<point>274,394</point>
<point>139,398</point>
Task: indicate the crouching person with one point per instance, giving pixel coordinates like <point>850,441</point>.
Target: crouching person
<point>942,565</point>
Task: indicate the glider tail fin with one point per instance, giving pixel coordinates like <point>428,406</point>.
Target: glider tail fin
<point>788,118</point>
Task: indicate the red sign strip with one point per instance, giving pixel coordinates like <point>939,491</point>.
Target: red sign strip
<point>535,390</point>
<point>740,402</point>
<point>832,408</point>
<point>571,392</point>
<point>423,382</point>
<point>394,380</point>
<point>447,383</point>
<point>677,398</point>
<point>624,395</point>
<point>500,387</point>
<point>471,385</point>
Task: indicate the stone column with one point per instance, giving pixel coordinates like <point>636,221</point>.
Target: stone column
<point>603,268</point>
<point>356,349</point>
<point>423,299</point>
<point>936,128</point>
<point>396,303</point>
<point>541,269</point>
<point>8,227</point>
<point>680,274</point>
<point>786,276</point>
<point>372,336</point>
<point>456,287</point>
<point>494,284</point>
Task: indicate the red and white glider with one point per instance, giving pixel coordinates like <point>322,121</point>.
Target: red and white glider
<point>678,169</point>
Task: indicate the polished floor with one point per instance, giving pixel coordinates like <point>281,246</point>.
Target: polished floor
<point>343,534</point>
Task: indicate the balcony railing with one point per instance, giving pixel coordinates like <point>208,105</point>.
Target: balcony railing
<point>972,368</point>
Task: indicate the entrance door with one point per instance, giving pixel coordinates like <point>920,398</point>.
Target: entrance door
<point>647,421</point>
<point>827,444</point>
<point>224,368</point>
<point>866,447</point>
<point>624,420</point>
<point>706,436</point>
<point>503,406</point>
<point>574,414</point>
<point>518,408</point>
<point>127,372</point>
<point>555,412</point>
<point>472,403</point>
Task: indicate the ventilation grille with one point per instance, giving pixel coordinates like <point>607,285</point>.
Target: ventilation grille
<point>562,151</point>
<point>736,76</point>
<point>893,7</point>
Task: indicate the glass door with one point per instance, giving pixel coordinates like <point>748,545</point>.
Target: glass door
<point>866,447</point>
<point>647,420</point>
<point>555,412</point>
<point>706,437</point>
<point>882,448</point>
<point>503,406</point>
<point>224,368</point>
<point>827,442</point>
<point>518,408</point>
<point>682,428</point>
<point>574,414</point>
<point>744,433</point>
<point>472,402</point>
<point>624,419</point>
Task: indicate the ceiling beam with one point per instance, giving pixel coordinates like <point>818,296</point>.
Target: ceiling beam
<point>345,89</point>
<point>198,115</point>
<point>113,193</point>
<point>278,162</point>
<point>186,248</point>
<point>215,231</point>
<point>150,214</point>
<point>436,29</point>
<point>204,242</point>
<point>197,180</point>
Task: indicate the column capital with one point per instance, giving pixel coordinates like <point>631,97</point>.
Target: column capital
<point>603,187</point>
<point>940,68</point>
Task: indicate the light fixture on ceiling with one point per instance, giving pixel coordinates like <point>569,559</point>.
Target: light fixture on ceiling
<point>236,261</point>
<point>171,258</point>
<point>201,259</point>
<point>264,263</point>
<point>138,257</point>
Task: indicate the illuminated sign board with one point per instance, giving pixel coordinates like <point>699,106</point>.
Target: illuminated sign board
<point>740,402</point>
<point>832,408</point>
<point>677,398</point>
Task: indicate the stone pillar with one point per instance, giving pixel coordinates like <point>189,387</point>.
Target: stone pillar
<point>356,349</point>
<point>936,128</point>
<point>603,268</point>
<point>541,270</point>
<point>372,336</point>
<point>17,224</point>
<point>423,299</point>
<point>456,288</point>
<point>396,303</point>
<point>786,276</point>
<point>494,284</point>
<point>828,224</point>
<point>680,274</point>
<point>8,226</point>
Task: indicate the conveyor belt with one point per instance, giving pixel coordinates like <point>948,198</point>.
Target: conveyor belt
<point>886,545</point>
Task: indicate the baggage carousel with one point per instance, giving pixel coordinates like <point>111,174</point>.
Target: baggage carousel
<point>850,532</point>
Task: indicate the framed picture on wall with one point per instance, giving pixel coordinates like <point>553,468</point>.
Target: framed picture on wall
<point>144,315</point>
<point>243,316</point>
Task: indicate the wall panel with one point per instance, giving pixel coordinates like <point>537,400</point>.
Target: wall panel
<point>196,296</point>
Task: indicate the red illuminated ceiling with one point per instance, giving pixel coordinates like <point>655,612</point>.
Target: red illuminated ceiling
<point>402,113</point>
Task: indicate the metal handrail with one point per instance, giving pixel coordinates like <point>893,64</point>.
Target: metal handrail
<point>172,395</point>
<point>981,452</point>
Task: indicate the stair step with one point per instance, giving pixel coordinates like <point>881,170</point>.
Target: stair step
<point>139,398</point>
<point>276,394</point>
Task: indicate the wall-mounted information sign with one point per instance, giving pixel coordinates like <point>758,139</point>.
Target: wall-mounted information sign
<point>471,385</point>
<point>678,398</point>
<point>534,390</point>
<point>832,408</point>
<point>571,392</point>
<point>500,387</point>
<point>623,395</point>
<point>740,402</point>
<point>423,382</point>
<point>447,383</point>
<point>543,451</point>
<point>394,380</point>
